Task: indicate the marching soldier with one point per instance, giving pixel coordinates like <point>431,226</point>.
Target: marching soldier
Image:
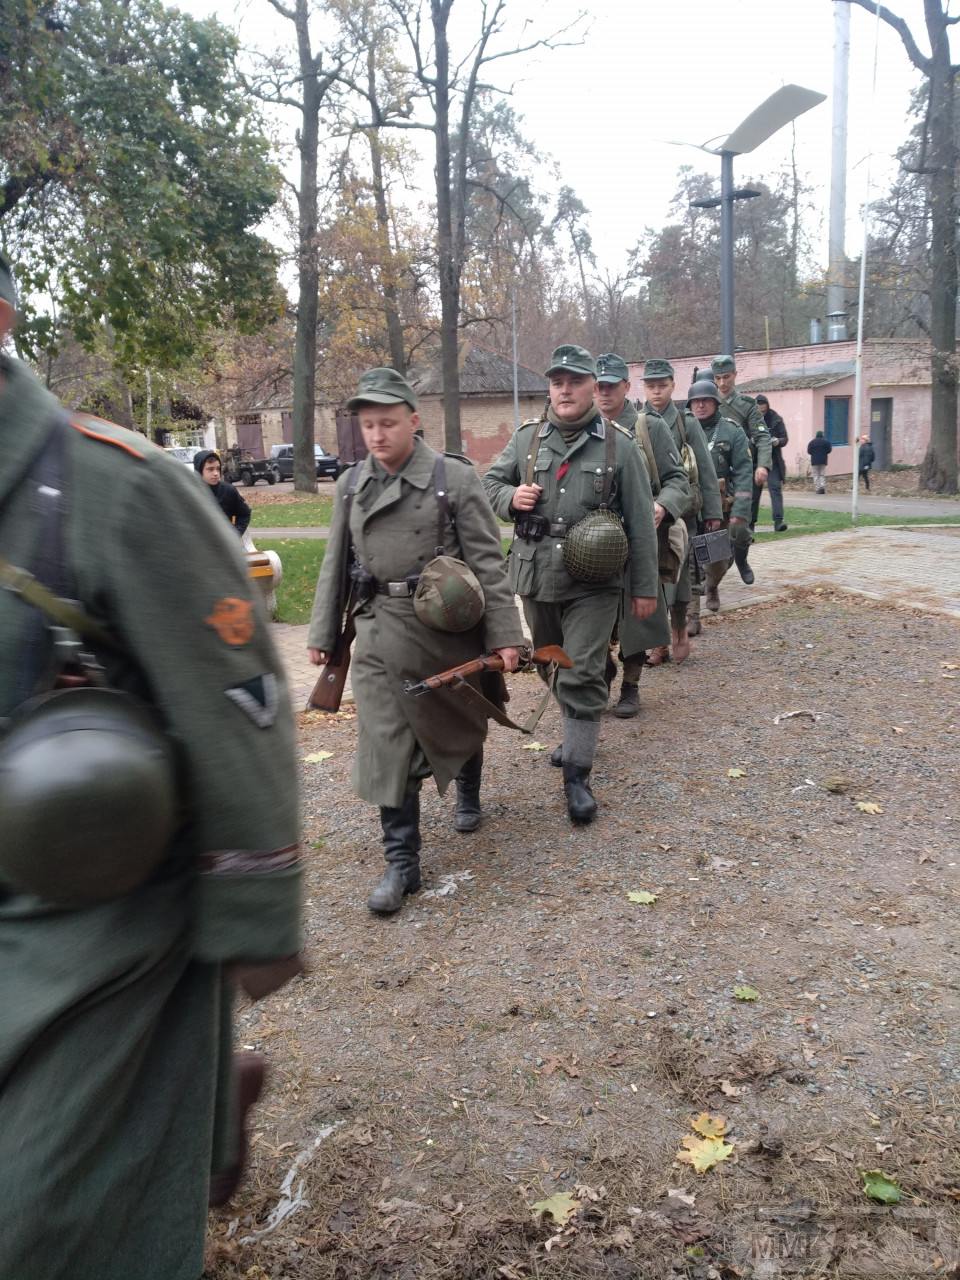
<point>730,452</point>
<point>705,508</point>
<point>559,480</point>
<point>401,508</point>
<point>743,410</point>
<point>649,641</point>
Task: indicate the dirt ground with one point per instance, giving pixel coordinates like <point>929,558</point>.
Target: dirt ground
<point>523,1030</point>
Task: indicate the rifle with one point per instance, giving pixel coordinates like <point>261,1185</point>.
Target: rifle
<point>327,693</point>
<point>548,655</point>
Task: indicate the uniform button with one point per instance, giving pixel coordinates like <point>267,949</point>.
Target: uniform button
<point>599,470</point>
<point>559,546</point>
<point>563,491</point>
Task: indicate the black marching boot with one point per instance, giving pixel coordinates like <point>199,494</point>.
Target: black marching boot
<point>740,560</point>
<point>581,805</point>
<point>579,744</point>
<point>401,848</point>
<point>467,815</point>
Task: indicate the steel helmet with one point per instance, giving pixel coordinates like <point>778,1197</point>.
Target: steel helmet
<point>88,796</point>
<point>703,389</point>
<point>449,596</point>
<point>596,548</point>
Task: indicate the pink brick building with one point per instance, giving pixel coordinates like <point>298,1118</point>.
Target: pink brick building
<point>812,389</point>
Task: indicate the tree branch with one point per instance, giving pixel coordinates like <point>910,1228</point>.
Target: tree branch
<point>921,62</point>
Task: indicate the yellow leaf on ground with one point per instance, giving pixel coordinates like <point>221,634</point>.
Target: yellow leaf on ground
<point>559,1207</point>
<point>533,746</point>
<point>736,773</point>
<point>710,1126</point>
<point>703,1153</point>
<point>318,757</point>
<point>640,895</point>
<point>869,806</point>
<point>746,993</point>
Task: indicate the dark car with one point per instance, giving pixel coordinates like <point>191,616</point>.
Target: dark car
<point>281,462</point>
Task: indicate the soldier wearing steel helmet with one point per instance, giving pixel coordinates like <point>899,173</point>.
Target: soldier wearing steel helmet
<point>553,475</point>
<point>117,1080</point>
<point>415,615</point>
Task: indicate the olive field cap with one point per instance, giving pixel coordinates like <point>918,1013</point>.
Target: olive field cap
<point>449,596</point>
<point>703,389</point>
<point>571,359</point>
<point>611,368</point>
<point>382,386</point>
<point>8,291</point>
<point>657,369</point>
<point>723,364</point>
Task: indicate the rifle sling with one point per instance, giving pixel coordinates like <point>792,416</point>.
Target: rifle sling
<point>494,712</point>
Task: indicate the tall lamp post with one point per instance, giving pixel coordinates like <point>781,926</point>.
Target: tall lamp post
<point>778,110</point>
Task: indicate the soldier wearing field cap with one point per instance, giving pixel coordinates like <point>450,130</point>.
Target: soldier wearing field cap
<point>647,641</point>
<point>401,508</point>
<point>558,480</point>
<point>704,512</point>
<point>742,409</point>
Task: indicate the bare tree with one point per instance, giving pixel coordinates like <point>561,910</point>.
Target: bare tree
<point>939,153</point>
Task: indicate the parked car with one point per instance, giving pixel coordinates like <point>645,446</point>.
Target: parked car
<point>281,461</point>
<point>183,453</point>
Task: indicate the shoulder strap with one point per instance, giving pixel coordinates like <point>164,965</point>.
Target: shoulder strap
<point>609,461</point>
<point>444,514</point>
<point>681,427</point>
<point>532,455</point>
<point>646,444</point>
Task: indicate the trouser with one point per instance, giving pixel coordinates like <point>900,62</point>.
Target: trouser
<point>819,478</point>
<point>739,537</point>
<point>775,485</point>
<point>582,628</point>
<point>865,477</point>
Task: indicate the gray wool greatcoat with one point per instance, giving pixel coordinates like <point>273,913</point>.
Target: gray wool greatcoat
<point>394,526</point>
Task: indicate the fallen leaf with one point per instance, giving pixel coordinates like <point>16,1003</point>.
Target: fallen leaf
<point>793,715</point>
<point>640,895</point>
<point>897,729</point>
<point>879,1187</point>
<point>837,785</point>
<point>721,864</point>
<point>533,746</point>
<point>736,773</point>
<point>318,757</point>
<point>560,1207</point>
<point>622,1238</point>
<point>679,1195</point>
<point>746,993</point>
<point>703,1153</point>
<point>709,1126</point>
<point>950,666</point>
<point>730,1090</point>
<point>869,806</point>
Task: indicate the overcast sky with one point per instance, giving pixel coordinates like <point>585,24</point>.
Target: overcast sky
<point>652,71</point>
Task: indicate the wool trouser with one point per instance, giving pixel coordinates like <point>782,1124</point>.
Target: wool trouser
<point>582,628</point>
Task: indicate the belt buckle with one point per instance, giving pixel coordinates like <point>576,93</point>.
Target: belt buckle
<point>398,590</point>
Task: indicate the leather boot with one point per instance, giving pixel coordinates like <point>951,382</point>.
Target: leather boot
<point>740,560</point>
<point>581,805</point>
<point>401,848</point>
<point>249,1072</point>
<point>712,597</point>
<point>694,626</point>
<point>467,815</point>
<point>658,656</point>
<point>629,704</point>
<point>678,630</point>
<point>610,671</point>
<point>556,756</point>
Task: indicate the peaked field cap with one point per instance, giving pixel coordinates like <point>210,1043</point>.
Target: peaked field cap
<point>611,368</point>
<point>8,290</point>
<point>571,359</point>
<point>723,364</point>
<point>657,369</point>
<point>382,386</point>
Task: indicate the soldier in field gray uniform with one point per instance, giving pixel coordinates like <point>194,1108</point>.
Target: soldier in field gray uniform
<point>742,409</point>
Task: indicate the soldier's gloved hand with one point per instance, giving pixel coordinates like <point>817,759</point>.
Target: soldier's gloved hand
<point>525,497</point>
<point>760,475</point>
<point>658,514</point>
<point>511,658</point>
<point>643,606</point>
<point>711,526</point>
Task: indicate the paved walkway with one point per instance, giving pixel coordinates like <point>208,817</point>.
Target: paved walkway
<point>917,568</point>
<point>868,505</point>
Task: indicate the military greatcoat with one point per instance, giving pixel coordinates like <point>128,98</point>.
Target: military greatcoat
<point>394,524</point>
<point>731,459</point>
<point>115,1018</point>
<point>742,409</point>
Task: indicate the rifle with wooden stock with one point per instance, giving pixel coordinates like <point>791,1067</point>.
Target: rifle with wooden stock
<point>550,655</point>
<point>327,693</point>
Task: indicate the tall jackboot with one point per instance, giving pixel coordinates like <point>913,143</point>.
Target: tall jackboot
<point>629,704</point>
<point>401,848</point>
<point>467,815</point>
<point>678,630</point>
<point>694,625</point>
<point>740,560</point>
<point>579,746</point>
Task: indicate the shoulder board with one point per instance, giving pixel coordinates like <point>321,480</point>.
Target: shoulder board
<point>460,457</point>
<point>109,433</point>
<point>531,422</point>
<point>731,422</point>
<point>623,430</point>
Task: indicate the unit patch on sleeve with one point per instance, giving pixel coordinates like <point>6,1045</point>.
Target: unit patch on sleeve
<point>232,619</point>
<point>257,698</point>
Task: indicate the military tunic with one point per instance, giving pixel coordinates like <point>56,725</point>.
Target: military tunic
<point>558,608</point>
<point>115,1018</point>
<point>393,521</point>
<point>743,410</point>
<point>732,462</point>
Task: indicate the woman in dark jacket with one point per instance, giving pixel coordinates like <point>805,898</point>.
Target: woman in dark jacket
<point>207,466</point>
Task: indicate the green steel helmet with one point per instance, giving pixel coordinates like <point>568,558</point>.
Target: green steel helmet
<point>596,547</point>
<point>88,796</point>
<point>703,389</point>
<point>449,596</point>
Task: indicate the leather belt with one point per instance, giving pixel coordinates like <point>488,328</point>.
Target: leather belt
<point>398,590</point>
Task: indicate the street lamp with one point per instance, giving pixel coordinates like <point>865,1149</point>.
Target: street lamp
<point>778,110</point>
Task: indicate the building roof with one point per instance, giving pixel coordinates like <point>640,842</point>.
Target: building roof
<point>800,379</point>
<point>482,373</point>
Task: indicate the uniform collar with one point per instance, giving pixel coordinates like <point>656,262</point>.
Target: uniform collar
<point>417,470</point>
<point>596,427</point>
<point>628,416</point>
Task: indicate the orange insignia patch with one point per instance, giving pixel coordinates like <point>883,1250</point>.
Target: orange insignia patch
<point>232,619</point>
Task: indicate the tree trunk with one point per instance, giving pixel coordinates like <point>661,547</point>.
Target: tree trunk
<point>391,305</point>
<point>305,347</point>
<point>938,472</point>
<point>449,267</point>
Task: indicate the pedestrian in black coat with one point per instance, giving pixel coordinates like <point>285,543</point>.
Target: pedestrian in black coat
<point>778,471</point>
<point>819,450</point>
<point>867,457</point>
<point>207,466</point>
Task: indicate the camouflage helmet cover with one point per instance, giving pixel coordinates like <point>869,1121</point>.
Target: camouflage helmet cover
<point>449,596</point>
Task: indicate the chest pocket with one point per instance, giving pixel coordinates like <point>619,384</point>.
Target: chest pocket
<point>591,485</point>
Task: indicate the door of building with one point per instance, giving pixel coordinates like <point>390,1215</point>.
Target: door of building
<point>250,434</point>
<point>881,423</point>
<point>286,426</point>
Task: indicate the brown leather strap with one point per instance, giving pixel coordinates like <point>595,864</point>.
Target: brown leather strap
<point>646,444</point>
<point>494,712</point>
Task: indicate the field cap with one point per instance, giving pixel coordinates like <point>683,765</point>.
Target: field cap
<point>723,364</point>
<point>657,368</point>
<point>571,359</point>
<point>382,386</point>
<point>611,368</point>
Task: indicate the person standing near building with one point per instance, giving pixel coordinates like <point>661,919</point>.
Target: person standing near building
<point>778,468</point>
<point>705,509</point>
<point>119,1094</point>
<point>867,457</point>
<point>399,509</point>
<point>731,459</point>
<point>209,468</point>
<point>551,476</point>
<point>819,449</point>
<point>647,641</point>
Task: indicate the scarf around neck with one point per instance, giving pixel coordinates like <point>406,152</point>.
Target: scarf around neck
<point>570,430</point>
